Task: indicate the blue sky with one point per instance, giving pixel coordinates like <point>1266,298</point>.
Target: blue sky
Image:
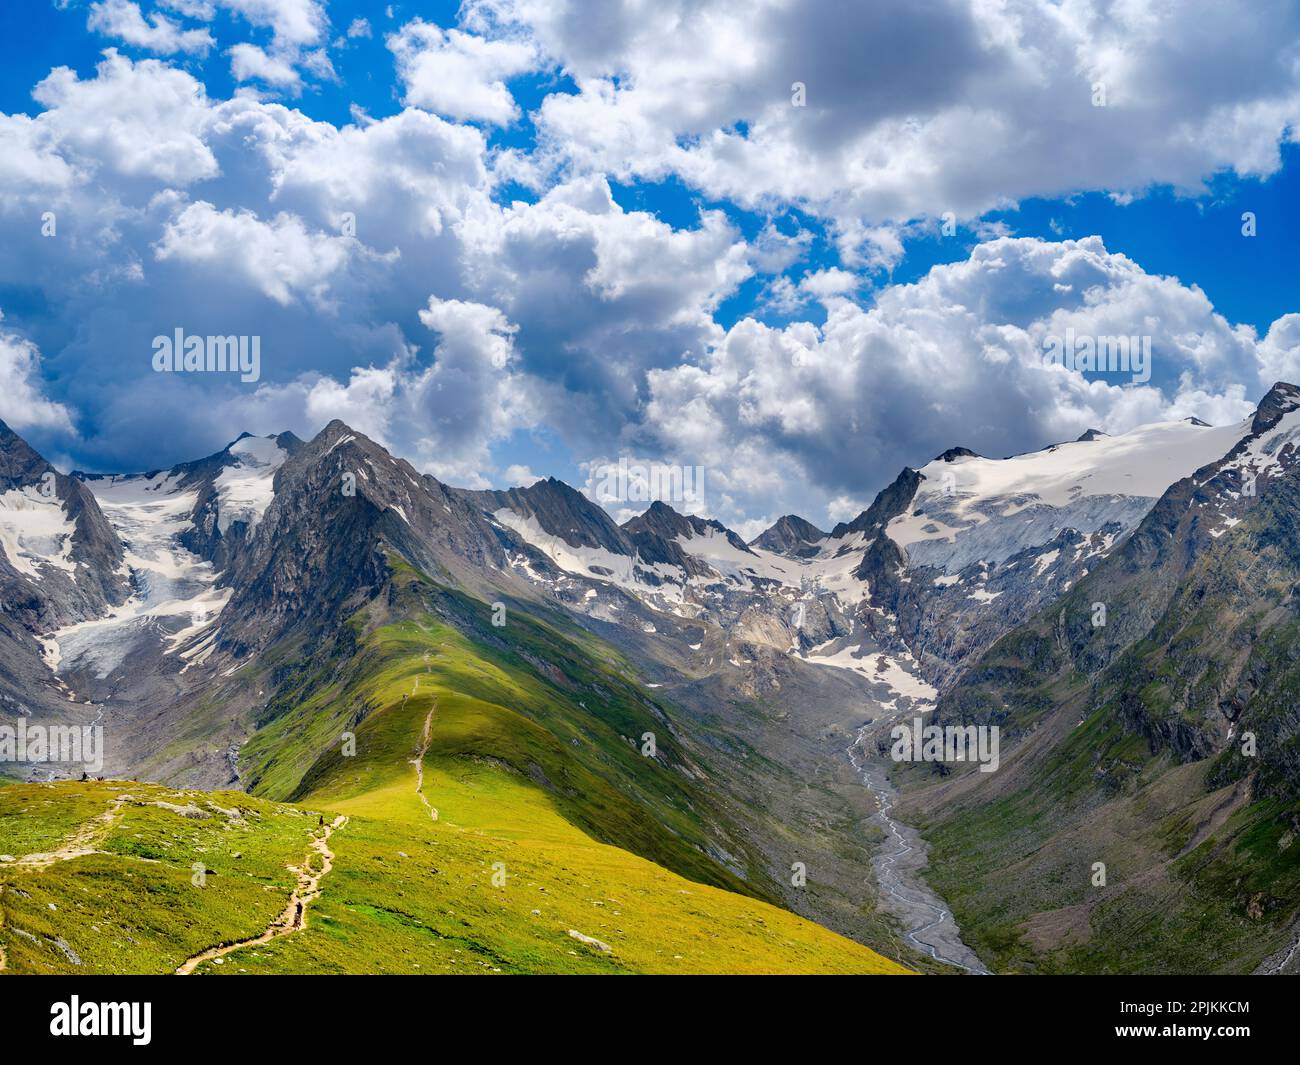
<point>583,234</point>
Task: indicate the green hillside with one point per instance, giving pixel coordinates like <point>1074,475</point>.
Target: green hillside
<point>498,815</point>
<point>1127,750</point>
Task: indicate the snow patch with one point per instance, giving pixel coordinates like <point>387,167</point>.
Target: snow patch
<point>245,489</point>
<point>35,531</point>
<point>903,681</point>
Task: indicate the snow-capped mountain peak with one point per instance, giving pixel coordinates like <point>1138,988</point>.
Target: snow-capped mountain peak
<point>969,509</point>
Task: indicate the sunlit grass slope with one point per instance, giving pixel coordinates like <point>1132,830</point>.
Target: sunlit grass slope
<point>122,877</point>
<point>545,840</point>
<point>501,879</point>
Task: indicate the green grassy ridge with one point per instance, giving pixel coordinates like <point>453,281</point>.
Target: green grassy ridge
<point>538,633</point>
<point>406,894</point>
<point>534,767</point>
<point>410,895</point>
<point>469,726</point>
<point>574,723</point>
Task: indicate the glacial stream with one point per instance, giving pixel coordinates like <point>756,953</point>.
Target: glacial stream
<point>927,922</point>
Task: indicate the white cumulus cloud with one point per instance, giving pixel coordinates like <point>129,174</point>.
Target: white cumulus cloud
<point>158,33</point>
<point>459,74</point>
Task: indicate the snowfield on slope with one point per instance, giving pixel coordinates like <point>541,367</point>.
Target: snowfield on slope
<point>977,509</point>
<point>35,531</point>
<point>967,511</point>
<point>245,489</point>
<point>175,597</point>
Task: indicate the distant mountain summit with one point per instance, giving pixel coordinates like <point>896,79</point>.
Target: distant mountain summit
<point>955,453</point>
<point>559,510</point>
<point>62,560</point>
<point>790,535</point>
<point>661,520</point>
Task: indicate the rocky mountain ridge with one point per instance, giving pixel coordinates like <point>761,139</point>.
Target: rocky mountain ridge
<point>189,571</point>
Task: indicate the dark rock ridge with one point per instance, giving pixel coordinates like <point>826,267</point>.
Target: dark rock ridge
<point>661,520</point>
<point>956,453</point>
<point>560,511</point>
<point>887,505</point>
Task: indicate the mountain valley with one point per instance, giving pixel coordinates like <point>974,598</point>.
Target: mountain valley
<point>540,740</point>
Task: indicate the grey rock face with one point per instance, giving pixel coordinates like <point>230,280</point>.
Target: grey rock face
<point>560,511</point>
<point>790,535</point>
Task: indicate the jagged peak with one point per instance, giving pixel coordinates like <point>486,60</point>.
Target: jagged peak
<point>549,485</point>
<point>888,504</point>
<point>337,434</point>
<point>657,514</point>
<point>551,491</point>
<point>1284,388</point>
<point>661,518</point>
<point>541,488</point>
<point>1282,398</point>
<point>1091,435</point>
<point>16,454</point>
<point>789,534</point>
<point>286,440</point>
<point>795,523</point>
<point>559,509</point>
<point>339,442</point>
<point>336,429</point>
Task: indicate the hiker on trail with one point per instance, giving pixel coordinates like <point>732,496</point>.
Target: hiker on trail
<point>322,819</point>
